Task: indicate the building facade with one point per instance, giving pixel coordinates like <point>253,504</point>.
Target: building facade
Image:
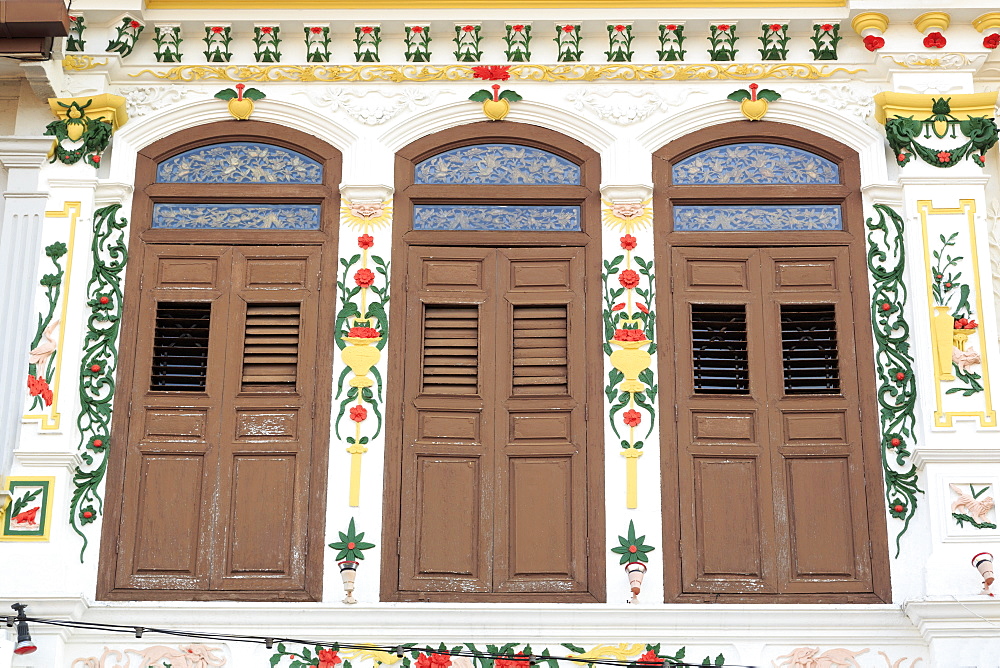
<point>474,334</point>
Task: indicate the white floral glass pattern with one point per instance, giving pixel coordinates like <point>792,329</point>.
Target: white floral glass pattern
<point>755,163</point>
<point>236,216</point>
<point>498,164</point>
<point>496,218</point>
<point>757,218</point>
<point>239,162</point>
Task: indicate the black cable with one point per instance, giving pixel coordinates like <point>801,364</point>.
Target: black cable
<point>269,641</point>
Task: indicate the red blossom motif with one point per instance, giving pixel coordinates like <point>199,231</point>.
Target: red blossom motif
<point>491,72</point>
<point>826,27</point>
<point>133,24</point>
<point>362,333</point>
<point>900,375</point>
<point>944,156</point>
<point>95,367</point>
<point>364,277</point>
<point>87,514</point>
<point>217,29</point>
<point>775,27</point>
<point>315,30</point>
<point>650,656</point>
<point>38,386</point>
<point>328,658</point>
<point>568,28</point>
<point>366,241</point>
<point>519,660</point>
<point>629,279</point>
<point>874,42</point>
<point>901,157</point>
<point>965,323</point>
<point>619,28</point>
<point>992,40</point>
<point>618,307</point>
<point>96,159</point>
<point>898,508</point>
<point>97,443</point>
<point>104,300</point>
<point>723,27</point>
<point>628,242</point>
<point>641,307</point>
<point>935,40</point>
<point>517,28</point>
<point>671,26</point>
<point>433,661</point>
<point>632,417</point>
<point>466,29</point>
<point>886,306</point>
<point>629,335</point>
<point>895,442</point>
<point>267,30</point>
<point>367,30</point>
<point>417,29</point>
<point>359,413</point>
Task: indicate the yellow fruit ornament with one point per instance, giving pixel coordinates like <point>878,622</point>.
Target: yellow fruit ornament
<point>496,105</point>
<point>240,100</point>
<point>753,103</point>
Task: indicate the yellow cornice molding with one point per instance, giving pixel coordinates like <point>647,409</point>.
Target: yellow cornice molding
<point>928,20</point>
<point>987,21</point>
<point>963,106</point>
<point>485,4</point>
<point>870,21</point>
<point>106,107</point>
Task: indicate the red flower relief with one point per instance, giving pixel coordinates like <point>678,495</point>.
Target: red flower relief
<point>96,159</point>
<point>517,28</point>
<point>650,656</point>
<point>901,157</point>
<point>629,279</point>
<point>992,40</point>
<point>632,417</point>
<point>874,42</point>
<point>628,242</point>
<point>491,72</point>
<point>467,29</point>
<point>266,30</point>
<point>328,658</point>
<point>723,27</point>
<point>315,30</point>
<point>359,413</point>
<point>944,156</point>
<point>826,27</point>
<point>618,307</point>
<point>775,27</point>
<point>569,28</point>
<point>363,333</point>
<point>641,307</point>
<point>619,28</point>
<point>433,661</point>
<point>217,29</point>
<point>364,277</point>
<point>519,660</point>
<point>629,335</point>
<point>671,26</point>
<point>38,386</point>
<point>366,241</point>
<point>367,30</point>
<point>935,40</point>
<point>133,24</point>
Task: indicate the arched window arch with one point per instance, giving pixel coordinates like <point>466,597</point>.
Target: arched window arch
<point>494,476</point>
<point>774,453</point>
<point>216,483</point>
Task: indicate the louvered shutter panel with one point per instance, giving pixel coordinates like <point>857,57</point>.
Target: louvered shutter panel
<point>180,346</point>
<point>719,348</point>
<point>450,355</point>
<point>809,349</point>
<point>540,350</point>
<point>271,346</point>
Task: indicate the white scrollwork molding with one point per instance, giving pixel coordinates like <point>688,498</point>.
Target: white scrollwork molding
<point>372,107</point>
<point>141,100</point>
<point>627,106</point>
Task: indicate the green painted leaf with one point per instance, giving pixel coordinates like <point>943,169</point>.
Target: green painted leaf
<point>253,94</point>
<point>768,94</point>
<point>227,94</point>
<point>510,96</point>
<point>739,95</point>
<point>481,96</point>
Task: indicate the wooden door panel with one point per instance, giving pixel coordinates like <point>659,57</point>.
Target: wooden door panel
<point>263,492</point>
<point>177,270</point>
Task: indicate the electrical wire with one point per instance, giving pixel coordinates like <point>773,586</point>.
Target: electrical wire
<point>398,650</point>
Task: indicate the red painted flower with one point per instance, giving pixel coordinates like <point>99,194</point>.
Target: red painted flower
<point>519,660</point>
<point>723,27</point>
<point>641,307</point>
<point>517,28</point>
<point>775,27</point>
<point>366,241</point>
<point>632,417</point>
<point>569,28</point>
<point>671,26</point>
<point>628,242</point>
<point>328,658</point>
<point>629,279</point>
<point>362,333</point>
<point>901,157</point>
<point>619,28</point>
<point>433,661</point>
<point>944,156</point>
<point>466,29</point>
<point>316,30</point>
<point>364,277</point>
<point>88,514</point>
<point>992,40</point>
<point>886,306</point>
<point>935,40</point>
<point>217,29</point>
<point>417,29</point>
<point>359,413</point>
<point>39,387</point>
<point>900,375</point>
<point>97,443</point>
<point>874,42</point>
<point>629,335</point>
<point>826,27</point>
<point>367,30</point>
<point>95,367</point>
<point>649,657</point>
<point>96,159</point>
<point>133,24</point>
<point>618,307</point>
<point>104,300</point>
<point>267,30</point>
<point>895,442</point>
<point>491,72</point>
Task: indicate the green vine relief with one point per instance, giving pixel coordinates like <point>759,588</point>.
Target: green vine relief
<point>897,394</point>
<point>100,359</point>
<point>41,359</point>
<point>903,132</point>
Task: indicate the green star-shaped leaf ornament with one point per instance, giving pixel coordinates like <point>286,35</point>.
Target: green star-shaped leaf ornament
<point>632,548</point>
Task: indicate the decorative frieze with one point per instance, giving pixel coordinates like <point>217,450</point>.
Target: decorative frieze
<point>467,39</point>
<point>217,39</point>
<point>267,42</point>
<point>317,43</point>
<point>418,42</point>
<point>671,42</point>
<point>168,43</point>
<point>568,41</point>
<point>518,42</point>
<point>367,39</point>
<point>126,35</point>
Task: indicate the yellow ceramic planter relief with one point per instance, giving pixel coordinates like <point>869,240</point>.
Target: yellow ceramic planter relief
<point>943,326</point>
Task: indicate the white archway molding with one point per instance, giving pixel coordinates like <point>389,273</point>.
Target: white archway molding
<point>866,141</point>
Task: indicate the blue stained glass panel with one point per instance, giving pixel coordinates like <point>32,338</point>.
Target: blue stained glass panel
<point>755,163</point>
<point>239,162</point>
<point>757,218</point>
<point>169,216</point>
<point>498,164</point>
<point>496,218</point>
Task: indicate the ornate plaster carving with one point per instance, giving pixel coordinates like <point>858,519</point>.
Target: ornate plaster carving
<point>373,107</point>
<point>943,61</point>
<point>141,100</point>
<point>625,107</point>
<point>810,657</point>
<point>157,656</point>
<point>851,98</point>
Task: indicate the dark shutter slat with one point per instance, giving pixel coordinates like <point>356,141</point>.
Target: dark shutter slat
<point>540,350</point>
<point>450,356</point>
<point>271,347</point>
<point>719,349</point>
<point>809,349</point>
<point>180,346</point>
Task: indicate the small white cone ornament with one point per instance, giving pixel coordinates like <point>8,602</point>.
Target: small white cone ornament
<point>348,571</point>
<point>984,564</point>
<point>635,570</point>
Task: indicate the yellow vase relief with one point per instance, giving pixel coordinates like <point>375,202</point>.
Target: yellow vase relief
<point>952,348</point>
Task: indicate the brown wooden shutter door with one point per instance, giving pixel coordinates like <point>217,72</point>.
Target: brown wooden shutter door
<point>771,480</point>
<point>494,465</point>
<point>215,480</point>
